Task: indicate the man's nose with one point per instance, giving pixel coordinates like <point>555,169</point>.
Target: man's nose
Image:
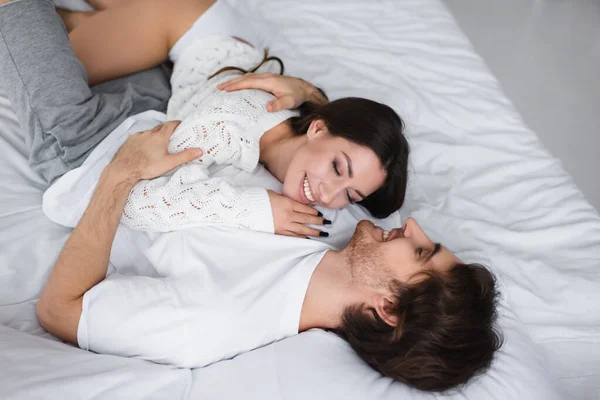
<point>413,230</point>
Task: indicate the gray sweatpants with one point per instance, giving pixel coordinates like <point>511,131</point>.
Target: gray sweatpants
<point>47,86</point>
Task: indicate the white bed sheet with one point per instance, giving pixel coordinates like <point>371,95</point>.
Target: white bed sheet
<point>482,184</point>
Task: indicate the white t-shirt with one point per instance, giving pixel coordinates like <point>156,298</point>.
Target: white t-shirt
<point>230,290</point>
<point>208,294</point>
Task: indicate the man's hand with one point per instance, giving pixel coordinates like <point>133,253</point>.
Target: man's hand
<point>84,259</point>
<point>145,154</point>
<point>290,92</point>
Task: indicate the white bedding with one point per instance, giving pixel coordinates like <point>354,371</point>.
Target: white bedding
<point>482,184</point>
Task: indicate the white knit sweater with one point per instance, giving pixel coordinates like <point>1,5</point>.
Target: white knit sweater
<point>227,127</point>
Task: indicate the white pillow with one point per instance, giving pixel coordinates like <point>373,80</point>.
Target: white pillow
<point>319,365</point>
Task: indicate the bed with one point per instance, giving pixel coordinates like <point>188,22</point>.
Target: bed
<point>481,182</point>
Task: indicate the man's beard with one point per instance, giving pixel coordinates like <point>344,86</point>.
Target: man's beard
<point>365,259</point>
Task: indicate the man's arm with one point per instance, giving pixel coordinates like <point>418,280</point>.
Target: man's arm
<point>84,259</point>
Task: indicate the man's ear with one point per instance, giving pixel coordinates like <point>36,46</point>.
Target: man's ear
<point>316,129</point>
<point>384,308</point>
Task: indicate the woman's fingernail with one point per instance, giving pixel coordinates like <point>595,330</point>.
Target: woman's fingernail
<point>324,234</point>
<point>326,222</point>
<point>320,214</point>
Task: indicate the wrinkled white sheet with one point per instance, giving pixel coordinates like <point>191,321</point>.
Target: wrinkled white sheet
<point>481,183</point>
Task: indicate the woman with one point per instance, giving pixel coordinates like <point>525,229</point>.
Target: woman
<point>328,154</point>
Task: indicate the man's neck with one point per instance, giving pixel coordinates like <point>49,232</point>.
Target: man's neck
<point>329,293</point>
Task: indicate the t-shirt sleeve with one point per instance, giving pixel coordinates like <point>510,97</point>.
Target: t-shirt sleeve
<point>135,316</point>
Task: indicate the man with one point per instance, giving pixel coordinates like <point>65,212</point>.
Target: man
<point>406,305</point>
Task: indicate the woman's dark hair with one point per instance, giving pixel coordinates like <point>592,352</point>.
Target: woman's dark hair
<point>364,122</point>
<point>266,59</point>
<point>445,334</point>
<point>373,125</point>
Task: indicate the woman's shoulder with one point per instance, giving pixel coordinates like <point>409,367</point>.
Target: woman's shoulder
<point>207,55</point>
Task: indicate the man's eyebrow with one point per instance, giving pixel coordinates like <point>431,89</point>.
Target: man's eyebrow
<point>351,174</point>
<point>436,248</point>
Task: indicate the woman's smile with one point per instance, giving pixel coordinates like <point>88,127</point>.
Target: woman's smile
<point>306,194</point>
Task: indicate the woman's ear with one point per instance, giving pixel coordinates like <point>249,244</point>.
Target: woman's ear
<point>316,129</point>
<point>384,308</point>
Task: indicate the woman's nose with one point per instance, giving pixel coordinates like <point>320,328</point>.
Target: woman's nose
<point>330,190</point>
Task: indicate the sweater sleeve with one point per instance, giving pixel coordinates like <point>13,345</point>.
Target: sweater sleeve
<point>190,197</point>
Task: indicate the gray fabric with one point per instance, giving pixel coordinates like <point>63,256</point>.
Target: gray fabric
<point>47,86</point>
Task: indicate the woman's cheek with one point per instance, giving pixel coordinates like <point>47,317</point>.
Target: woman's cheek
<point>338,204</point>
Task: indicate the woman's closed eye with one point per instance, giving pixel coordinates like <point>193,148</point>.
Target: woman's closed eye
<point>338,173</point>
<point>336,169</point>
<point>350,199</point>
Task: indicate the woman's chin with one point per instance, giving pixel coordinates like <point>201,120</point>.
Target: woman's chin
<point>288,193</point>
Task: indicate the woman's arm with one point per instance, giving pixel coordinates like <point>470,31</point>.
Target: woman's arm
<point>83,261</point>
<point>134,36</point>
<point>291,92</point>
<point>191,197</point>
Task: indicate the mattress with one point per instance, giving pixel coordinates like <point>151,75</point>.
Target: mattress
<point>481,183</point>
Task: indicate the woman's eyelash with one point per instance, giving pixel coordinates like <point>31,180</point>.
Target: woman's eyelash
<point>350,200</point>
<point>337,172</point>
<point>335,168</point>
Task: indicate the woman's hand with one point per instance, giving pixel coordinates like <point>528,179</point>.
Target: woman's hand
<point>144,155</point>
<point>290,92</point>
<point>291,217</point>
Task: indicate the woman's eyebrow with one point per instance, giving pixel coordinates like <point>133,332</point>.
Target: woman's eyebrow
<point>350,173</point>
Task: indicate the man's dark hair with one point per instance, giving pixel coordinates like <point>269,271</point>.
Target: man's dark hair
<point>445,334</point>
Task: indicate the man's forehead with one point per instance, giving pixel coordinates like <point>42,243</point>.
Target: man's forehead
<point>444,259</point>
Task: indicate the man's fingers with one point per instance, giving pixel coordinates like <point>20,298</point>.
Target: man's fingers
<point>183,157</point>
<point>262,81</point>
<point>241,82</point>
<point>284,103</point>
<point>169,127</point>
<point>157,128</point>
